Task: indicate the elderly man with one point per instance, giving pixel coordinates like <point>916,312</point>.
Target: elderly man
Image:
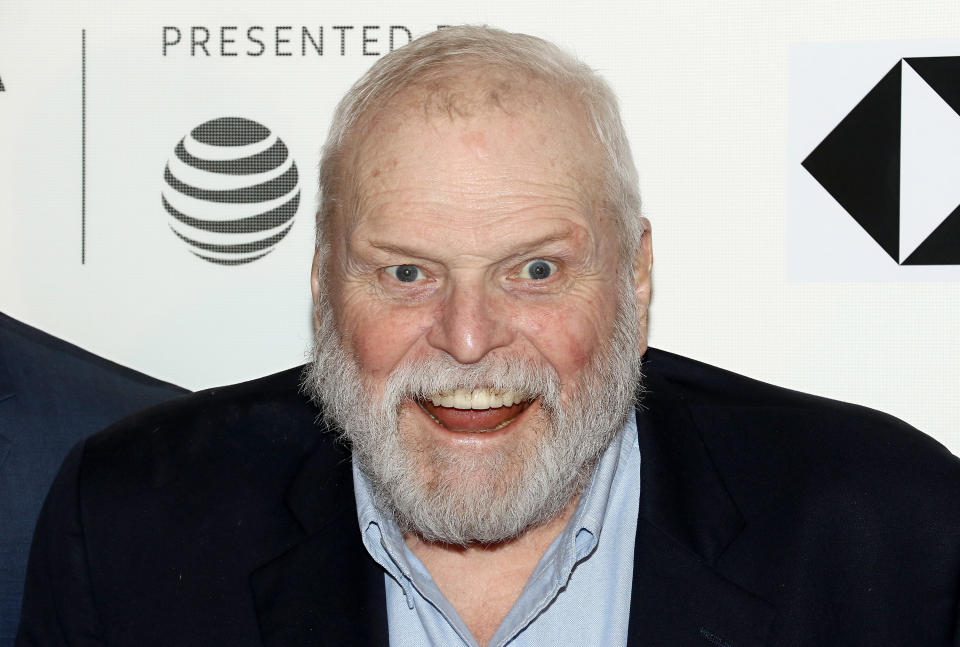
<point>481,281</point>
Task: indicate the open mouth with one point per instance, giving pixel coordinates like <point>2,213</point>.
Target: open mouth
<point>478,411</point>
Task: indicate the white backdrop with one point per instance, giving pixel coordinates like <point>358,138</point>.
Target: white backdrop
<point>722,101</point>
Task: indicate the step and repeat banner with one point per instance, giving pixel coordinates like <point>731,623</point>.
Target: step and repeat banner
<point>800,163</point>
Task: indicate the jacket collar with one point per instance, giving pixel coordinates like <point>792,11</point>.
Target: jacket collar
<point>6,382</point>
<point>687,519</point>
<point>681,491</point>
<point>6,397</point>
<point>325,589</point>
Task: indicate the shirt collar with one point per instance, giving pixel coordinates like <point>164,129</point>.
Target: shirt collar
<point>580,537</point>
<point>369,516</point>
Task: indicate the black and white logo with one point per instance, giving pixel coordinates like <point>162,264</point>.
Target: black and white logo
<point>231,191</point>
<point>893,163</point>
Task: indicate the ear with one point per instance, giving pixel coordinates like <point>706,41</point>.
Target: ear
<point>315,275</point>
<point>315,283</point>
<point>642,271</point>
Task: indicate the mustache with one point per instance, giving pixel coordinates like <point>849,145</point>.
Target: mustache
<point>422,377</point>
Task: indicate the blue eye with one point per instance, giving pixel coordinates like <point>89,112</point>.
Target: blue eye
<point>537,269</point>
<point>404,273</point>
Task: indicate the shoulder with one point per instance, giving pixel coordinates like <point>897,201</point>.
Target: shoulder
<point>264,426</point>
<point>234,447</point>
<point>174,507</point>
<point>775,412</point>
<point>769,442</point>
<point>37,363</point>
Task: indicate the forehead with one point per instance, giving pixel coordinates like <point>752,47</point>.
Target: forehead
<point>484,143</point>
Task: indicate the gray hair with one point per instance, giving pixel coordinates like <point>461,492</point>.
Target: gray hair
<point>487,48</point>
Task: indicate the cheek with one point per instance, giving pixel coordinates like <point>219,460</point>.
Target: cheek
<point>380,337</point>
<point>569,333</point>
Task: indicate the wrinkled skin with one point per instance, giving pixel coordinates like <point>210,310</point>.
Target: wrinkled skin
<point>471,200</point>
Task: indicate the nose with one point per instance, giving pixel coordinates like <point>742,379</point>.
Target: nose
<point>468,326</point>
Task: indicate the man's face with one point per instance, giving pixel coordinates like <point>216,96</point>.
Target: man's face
<point>476,287</point>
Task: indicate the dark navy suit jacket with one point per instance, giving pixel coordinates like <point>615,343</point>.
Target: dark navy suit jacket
<point>766,517</point>
<point>52,395</point>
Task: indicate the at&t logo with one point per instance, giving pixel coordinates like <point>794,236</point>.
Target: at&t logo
<point>231,191</point>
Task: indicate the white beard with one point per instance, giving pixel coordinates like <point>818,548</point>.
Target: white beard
<point>465,497</point>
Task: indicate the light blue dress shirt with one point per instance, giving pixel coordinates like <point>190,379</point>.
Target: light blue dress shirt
<point>578,594</point>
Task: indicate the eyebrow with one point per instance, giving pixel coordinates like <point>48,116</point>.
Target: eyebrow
<point>519,250</point>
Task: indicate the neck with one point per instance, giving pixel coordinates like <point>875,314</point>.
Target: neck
<point>483,581</point>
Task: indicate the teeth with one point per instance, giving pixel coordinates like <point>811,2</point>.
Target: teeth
<point>480,399</point>
<point>444,399</point>
<point>477,399</point>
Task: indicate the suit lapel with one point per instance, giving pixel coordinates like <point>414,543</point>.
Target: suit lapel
<point>6,400</point>
<point>6,382</point>
<point>6,389</point>
<point>686,521</point>
<point>678,600</point>
<point>324,590</point>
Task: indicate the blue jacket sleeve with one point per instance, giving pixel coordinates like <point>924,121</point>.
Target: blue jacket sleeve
<point>58,605</point>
